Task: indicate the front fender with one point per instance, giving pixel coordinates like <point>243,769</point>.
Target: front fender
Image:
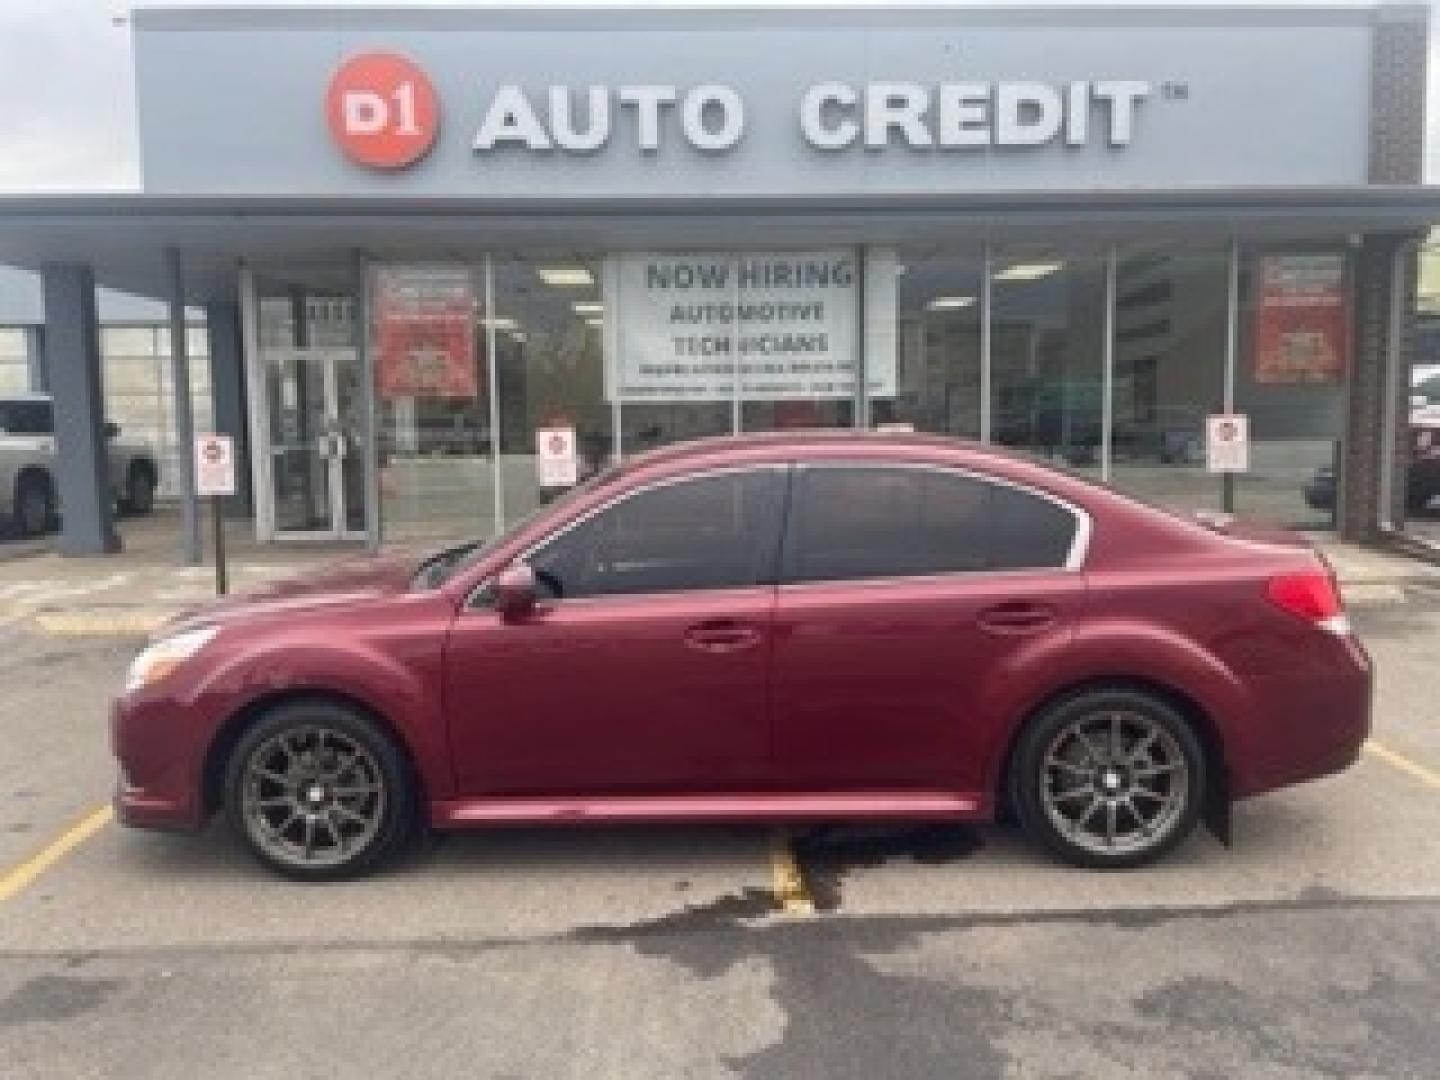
<point>1114,651</point>
<point>397,692</point>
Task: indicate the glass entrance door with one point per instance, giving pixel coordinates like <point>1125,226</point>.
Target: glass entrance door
<point>317,457</point>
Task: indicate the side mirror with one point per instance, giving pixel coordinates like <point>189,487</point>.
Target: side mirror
<point>112,429</point>
<point>515,592</point>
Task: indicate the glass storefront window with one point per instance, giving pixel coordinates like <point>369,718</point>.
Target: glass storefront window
<point>635,350</point>
<point>939,308</point>
<point>428,344</point>
<point>1047,355</point>
<point>1170,344</point>
<point>1291,374</point>
<point>138,394</point>
<point>549,360</point>
<point>15,343</point>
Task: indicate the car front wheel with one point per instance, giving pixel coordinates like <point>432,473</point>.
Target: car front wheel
<point>319,791</point>
<point>1108,779</point>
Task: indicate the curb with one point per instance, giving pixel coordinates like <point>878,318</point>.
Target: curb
<point>128,622</point>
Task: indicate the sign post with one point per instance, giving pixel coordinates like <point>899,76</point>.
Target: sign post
<point>215,478</point>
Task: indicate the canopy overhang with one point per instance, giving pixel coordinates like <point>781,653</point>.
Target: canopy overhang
<point>124,236</point>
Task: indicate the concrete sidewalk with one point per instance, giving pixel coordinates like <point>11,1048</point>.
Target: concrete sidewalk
<point>130,594</point>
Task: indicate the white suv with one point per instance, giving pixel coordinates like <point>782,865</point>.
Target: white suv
<point>28,492</point>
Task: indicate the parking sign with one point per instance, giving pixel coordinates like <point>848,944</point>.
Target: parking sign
<point>214,465</point>
<point>1227,443</point>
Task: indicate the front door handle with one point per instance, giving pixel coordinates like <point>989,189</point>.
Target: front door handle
<point>1016,617</point>
<point>722,635</point>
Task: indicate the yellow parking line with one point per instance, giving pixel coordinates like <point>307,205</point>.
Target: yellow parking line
<point>16,879</point>
<point>790,890</point>
<point>1423,773</point>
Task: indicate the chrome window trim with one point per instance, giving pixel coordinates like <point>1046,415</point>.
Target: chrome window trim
<point>625,496</point>
<point>1074,560</point>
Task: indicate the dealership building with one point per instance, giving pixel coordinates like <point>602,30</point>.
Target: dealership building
<point>448,259</point>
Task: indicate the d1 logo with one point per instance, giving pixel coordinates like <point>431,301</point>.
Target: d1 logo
<point>382,110</point>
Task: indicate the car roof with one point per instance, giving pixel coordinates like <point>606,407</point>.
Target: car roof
<point>828,443</point>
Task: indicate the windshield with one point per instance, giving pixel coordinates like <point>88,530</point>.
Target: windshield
<point>443,565</point>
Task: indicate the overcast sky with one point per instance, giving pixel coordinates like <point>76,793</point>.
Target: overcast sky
<point>67,102</point>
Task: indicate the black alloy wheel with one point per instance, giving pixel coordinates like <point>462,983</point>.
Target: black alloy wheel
<point>319,792</point>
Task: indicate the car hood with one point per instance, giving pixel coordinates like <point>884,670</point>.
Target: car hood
<point>346,582</point>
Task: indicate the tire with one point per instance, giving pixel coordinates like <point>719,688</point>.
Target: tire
<point>1417,497</point>
<point>319,792</point>
<point>139,491</point>
<point>1133,807</point>
<point>34,504</point>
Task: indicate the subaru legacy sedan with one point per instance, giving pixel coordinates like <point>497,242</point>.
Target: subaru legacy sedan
<point>788,628</point>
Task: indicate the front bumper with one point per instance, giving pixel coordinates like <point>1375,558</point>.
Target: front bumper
<point>160,778</point>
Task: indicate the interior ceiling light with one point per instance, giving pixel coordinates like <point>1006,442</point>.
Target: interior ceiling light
<point>565,277</point>
<point>588,307</point>
<point>946,303</point>
<point>1027,271</point>
<point>501,323</point>
<point>594,322</point>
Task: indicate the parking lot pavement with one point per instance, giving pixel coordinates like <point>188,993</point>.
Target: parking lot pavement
<point>1311,947</point>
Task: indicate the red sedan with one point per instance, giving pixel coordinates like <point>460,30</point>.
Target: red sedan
<point>790,628</point>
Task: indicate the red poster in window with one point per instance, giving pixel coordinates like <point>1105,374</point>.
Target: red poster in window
<point>425,332</point>
<point>1302,321</point>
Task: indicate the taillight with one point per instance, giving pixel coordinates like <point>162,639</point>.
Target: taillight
<point>1311,595</point>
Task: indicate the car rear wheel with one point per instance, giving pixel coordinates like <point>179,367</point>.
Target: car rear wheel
<point>1108,779</point>
<point>139,491</point>
<point>34,504</point>
<point>319,792</point>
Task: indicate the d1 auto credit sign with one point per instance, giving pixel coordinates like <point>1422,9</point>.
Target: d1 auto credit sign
<point>382,110</point>
<point>712,326</point>
<point>214,465</point>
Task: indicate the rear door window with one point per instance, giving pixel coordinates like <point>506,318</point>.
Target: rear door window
<point>858,522</point>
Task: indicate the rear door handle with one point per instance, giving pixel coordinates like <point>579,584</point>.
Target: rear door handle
<point>722,635</point>
<point>1016,617</point>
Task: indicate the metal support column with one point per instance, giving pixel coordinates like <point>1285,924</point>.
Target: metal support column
<point>492,379</point>
<point>862,343</point>
<point>184,417</point>
<point>370,412</point>
<point>82,480</point>
<point>227,397</point>
<point>1232,344</point>
<point>987,293</point>
<point>1107,380</point>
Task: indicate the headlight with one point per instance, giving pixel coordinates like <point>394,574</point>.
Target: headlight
<point>157,661</point>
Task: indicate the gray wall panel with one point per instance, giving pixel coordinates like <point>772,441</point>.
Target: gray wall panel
<point>1270,101</point>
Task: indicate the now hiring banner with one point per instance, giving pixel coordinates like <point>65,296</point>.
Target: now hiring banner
<point>768,326</point>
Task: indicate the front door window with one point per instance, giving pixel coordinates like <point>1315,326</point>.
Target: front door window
<point>710,532</point>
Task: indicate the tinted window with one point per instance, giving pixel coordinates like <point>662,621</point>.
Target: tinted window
<point>850,523</point>
<point>1028,532</point>
<point>26,417</point>
<point>712,532</point>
